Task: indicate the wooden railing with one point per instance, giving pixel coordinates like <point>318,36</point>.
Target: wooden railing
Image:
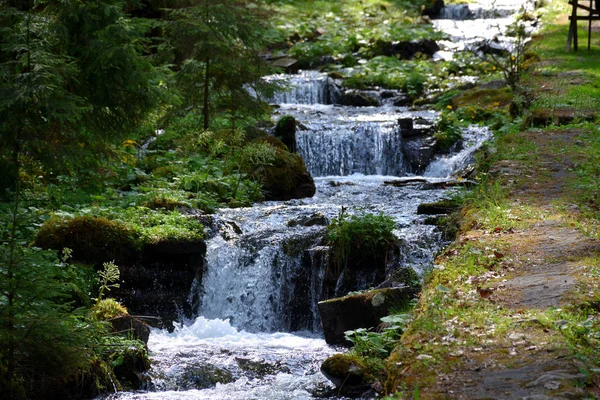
<point>592,15</point>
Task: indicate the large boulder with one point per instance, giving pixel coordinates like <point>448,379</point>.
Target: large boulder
<point>159,285</point>
<point>363,310</point>
<point>357,98</point>
<point>93,240</point>
<point>419,152</point>
<point>419,144</point>
<point>287,177</point>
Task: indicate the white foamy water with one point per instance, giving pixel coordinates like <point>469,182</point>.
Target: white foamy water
<point>210,359</point>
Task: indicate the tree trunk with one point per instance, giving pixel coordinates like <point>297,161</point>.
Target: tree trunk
<point>206,92</point>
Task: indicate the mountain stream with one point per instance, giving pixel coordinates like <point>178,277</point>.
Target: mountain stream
<point>257,334</point>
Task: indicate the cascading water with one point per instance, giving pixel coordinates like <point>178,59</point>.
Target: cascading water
<point>447,165</point>
<point>257,334</point>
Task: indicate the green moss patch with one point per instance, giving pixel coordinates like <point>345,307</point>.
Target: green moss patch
<point>93,240</point>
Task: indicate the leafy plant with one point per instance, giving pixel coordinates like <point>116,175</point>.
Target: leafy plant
<point>107,309</point>
<point>108,277</point>
<point>358,236</point>
<point>367,343</point>
<point>514,62</point>
<point>45,339</point>
<point>448,131</point>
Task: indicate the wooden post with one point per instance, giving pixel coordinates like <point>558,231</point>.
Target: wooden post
<point>572,37</point>
<point>590,27</point>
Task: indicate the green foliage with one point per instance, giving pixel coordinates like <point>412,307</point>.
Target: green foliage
<point>319,32</point>
<point>161,201</point>
<point>409,76</point>
<point>367,343</point>
<point>514,63</point>
<point>69,80</point>
<point>448,131</point>
<point>414,85</point>
<point>358,236</point>
<point>151,226</point>
<point>38,327</point>
<point>216,44</point>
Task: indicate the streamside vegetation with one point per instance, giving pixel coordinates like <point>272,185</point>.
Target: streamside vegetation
<point>124,123</point>
<point>84,88</point>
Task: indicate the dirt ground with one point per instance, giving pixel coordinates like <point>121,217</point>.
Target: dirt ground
<point>544,269</point>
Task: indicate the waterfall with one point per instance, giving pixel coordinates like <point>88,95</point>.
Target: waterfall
<point>307,87</point>
<point>262,282</point>
<point>461,12</point>
<point>370,148</point>
<point>446,165</point>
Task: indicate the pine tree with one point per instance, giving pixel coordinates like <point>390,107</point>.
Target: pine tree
<point>71,73</point>
<point>216,45</point>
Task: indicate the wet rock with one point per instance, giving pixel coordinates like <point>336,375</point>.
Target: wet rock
<point>258,369</point>
<point>229,230</point>
<point>360,311</point>
<point>132,327</point>
<point>402,101</point>
<point>412,127</point>
<point>286,178</point>
<point>434,9</point>
<point>317,218</point>
<point>203,377</point>
<point>356,98</point>
<point>419,152</point>
<point>438,207</point>
<point>288,64</point>
<point>285,130</point>
<point>344,370</point>
<point>158,286</point>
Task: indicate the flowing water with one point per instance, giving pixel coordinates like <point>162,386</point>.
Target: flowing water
<point>257,334</point>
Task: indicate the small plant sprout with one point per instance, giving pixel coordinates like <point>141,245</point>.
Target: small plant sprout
<point>107,276</point>
<point>67,254</point>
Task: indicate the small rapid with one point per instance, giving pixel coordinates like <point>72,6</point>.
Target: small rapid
<point>210,359</point>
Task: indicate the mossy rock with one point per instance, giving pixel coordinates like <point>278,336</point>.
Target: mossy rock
<point>445,206</point>
<point>362,310</point>
<point>164,203</point>
<point>484,98</point>
<point>286,178</point>
<point>345,370</point>
<point>93,240</point>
